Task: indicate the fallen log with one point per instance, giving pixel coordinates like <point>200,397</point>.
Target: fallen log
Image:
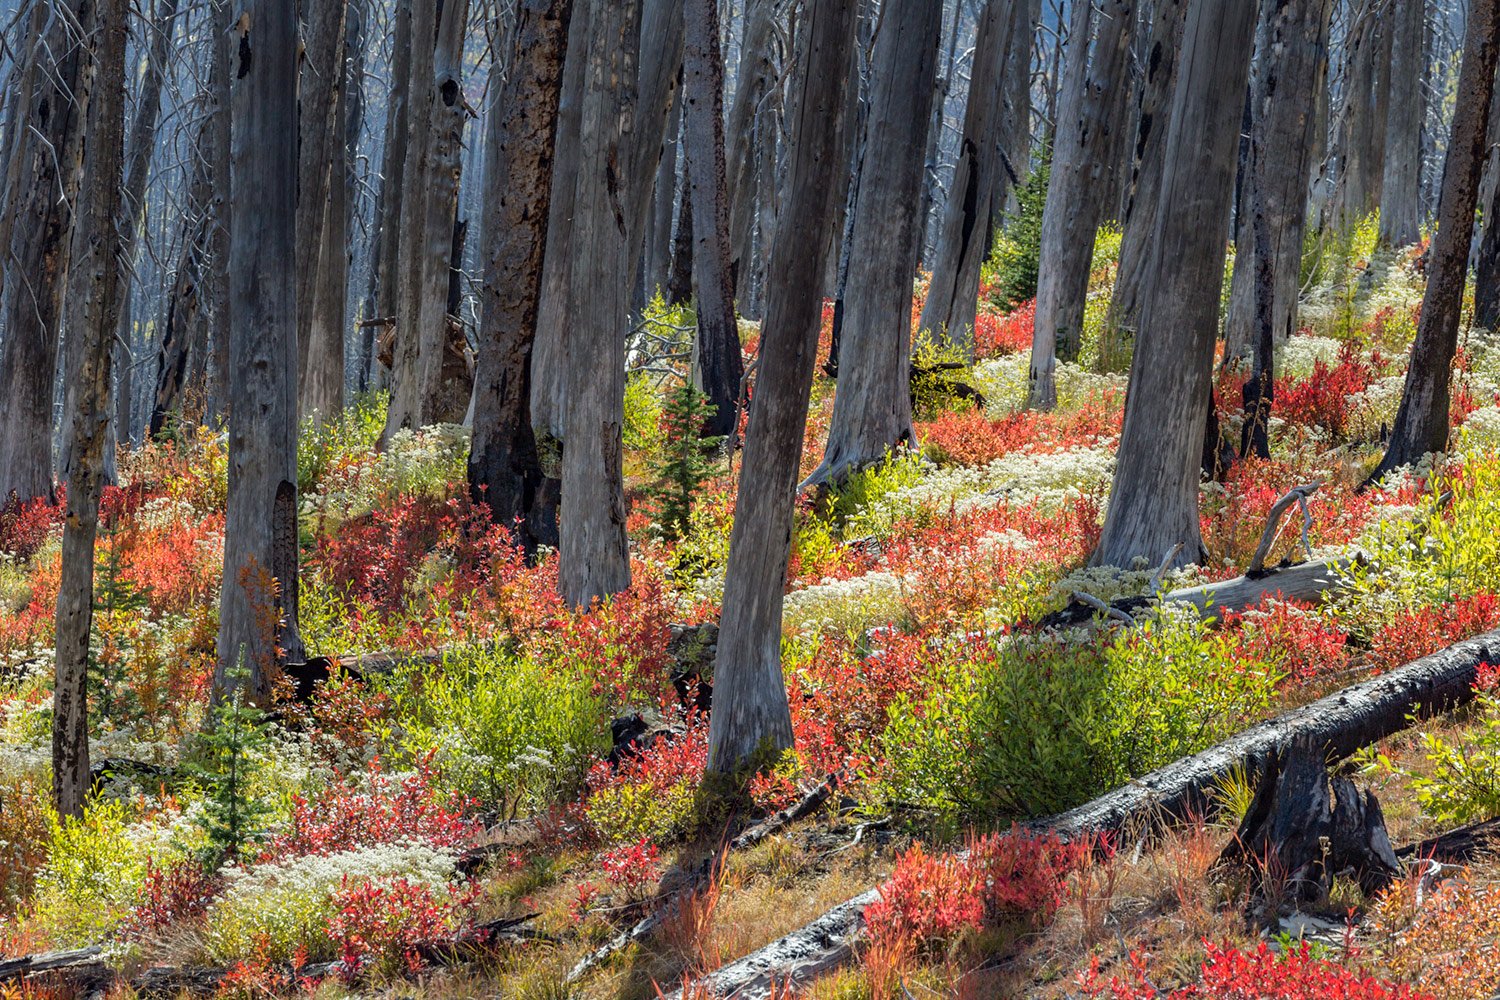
<point>1307,581</point>
<point>78,963</point>
<point>1340,724</point>
<point>1456,847</point>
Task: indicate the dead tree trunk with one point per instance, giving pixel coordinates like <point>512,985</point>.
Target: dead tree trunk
<point>953,296</point>
<point>872,408</point>
<point>1401,189</point>
<point>1362,132</point>
<point>504,470</point>
<point>97,247</point>
<point>1154,501</point>
<point>319,149</point>
<point>1422,420</point>
<point>750,706</point>
<point>594,557</point>
<point>216,400</point>
<point>754,79</point>
<point>385,268</point>
<point>1280,168</point>
<point>721,363</point>
<point>258,610</point>
<point>1082,160</point>
<point>41,209</point>
<point>1148,163</point>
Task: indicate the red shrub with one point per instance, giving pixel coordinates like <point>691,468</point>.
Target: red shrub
<point>1007,334</point>
<point>1418,632</point>
<point>971,438</point>
<point>25,526</point>
<point>1231,974</point>
<point>169,894</point>
<point>393,919</point>
<point>632,867</point>
<point>1290,636</point>
<point>1324,398</point>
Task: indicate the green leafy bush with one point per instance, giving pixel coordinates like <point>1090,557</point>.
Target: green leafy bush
<point>501,727</point>
<point>1018,247</point>
<point>95,867</point>
<point>687,461</point>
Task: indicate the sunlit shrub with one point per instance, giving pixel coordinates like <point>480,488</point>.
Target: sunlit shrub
<point>1232,974</point>
<point>95,868</point>
<point>1442,942</point>
<point>651,794</point>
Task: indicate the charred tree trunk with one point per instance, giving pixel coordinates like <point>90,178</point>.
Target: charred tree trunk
<point>41,211</point>
<point>594,557</point>
<point>1148,163</point>
<point>1280,168</point>
<point>385,268</point>
<point>872,408</point>
<point>750,707</point>
<point>216,396</point>
<point>1082,161</point>
<point>504,470</point>
<point>953,296</point>
<point>1362,132</point>
<point>97,247</point>
<point>753,82</point>
<point>721,363</point>
<point>1154,501</point>
<point>680,281</point>
<point>258,610</point>
<point>1422,422</point>
<point>1401,189</point>
<point>319,150</point>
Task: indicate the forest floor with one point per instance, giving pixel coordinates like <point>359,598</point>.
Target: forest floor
<point>468,817</point>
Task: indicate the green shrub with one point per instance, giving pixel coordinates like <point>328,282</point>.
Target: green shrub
<point>354,432</point>
<point>233,816</point>
<point>1018,247</point>
<point>501,727</point>
<point>1462,783</point>
<point>94,870</point>
<point>687,461</point>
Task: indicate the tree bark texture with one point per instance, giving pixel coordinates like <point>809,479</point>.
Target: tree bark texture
<point>1401,188</point>
<point>258,611</point>
<point>1083,149</point>
<point>97,247</point>
<point>1422,422</point>
<point>721,365</point>
<point>753,82</point>
<point>504,469</point>
<point>1362,132</point>
<point>750,707</point>
<point>594,557</point>
<point>953,296</point>
<point>216,401</point>
<point>386,264</point>
<point>1153,504</point>
<point>872,408</point>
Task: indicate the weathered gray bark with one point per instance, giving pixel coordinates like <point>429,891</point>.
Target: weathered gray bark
<point>1487,262</point>
<point>185,301</point>
<point>258,609</point>
<point>721,364</point>
<point>97,246</point>
<point>385,268</point>
<point>504,470</point>
<point>1153,504</point>
<point>594,556</point>
<point>1083,160</point>
<point>219,153</point>
<point>1280,166</point>
<point>37,265</point>
<point>319,150</point>
<point>1362,131</point>
<point>549,365</point>
<point>1401,188</point>
<point>753,81</point>
<point>750,707</point>
<point>1422,421</point>
<point>1142,194</point>
<point>658,259</point>
<point>872,408</point>
<point>962,244</point>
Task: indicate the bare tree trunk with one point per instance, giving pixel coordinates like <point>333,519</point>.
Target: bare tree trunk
<point>1363,118</point>
<point>97,249</point>
<point>1422,421</point>
<point>594,558</point>
<point>750,707</point>
<point>945,77</point>
<point>1487,264</point>
<point>549,363</point>
<point>722,365</point>
<point>1279,171</point>
<point>504,470</point>
<point>753,81</point>
<point>385,270</point>
<point>184,302</point>
<point>258,610</point>
<point>1153,504</point>
<point>1017,146</point>
<point>322,77</point>
<point>1082,160</point>
<point>41,206</point>
<point>663,203</point>
<point>219,152</point>
<point>1148,162</point>
<point>872,408</point>
<point>680,281</point>
<point>1401,190</point>
<point>953,296</point>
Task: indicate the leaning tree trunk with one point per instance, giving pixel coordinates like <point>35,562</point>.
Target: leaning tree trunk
<point>720,359</point>
<point>97,249</point>
<point>963,231</point>
<point>1280,168</point>
<point>594,558</point>
<point>1401,189</point>
<point>1422,422</point>
<point>258,609</point>
<point>1148,163</point>
<point>40,206</point>
<point>504,470</point>
<point>322,78</point>
<point>1153,505</point>
<point>1083,151</point>
<point>872,408</point>
<point>750,707</point>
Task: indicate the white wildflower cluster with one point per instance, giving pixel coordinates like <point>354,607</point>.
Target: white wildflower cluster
<point>1296,356</point>
<point>286,904</point>
<point>1006,382</point>
<point>1375,407</point>
<point>1480,433</point>
<point>851,605</point>
<point>1109,583</point>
